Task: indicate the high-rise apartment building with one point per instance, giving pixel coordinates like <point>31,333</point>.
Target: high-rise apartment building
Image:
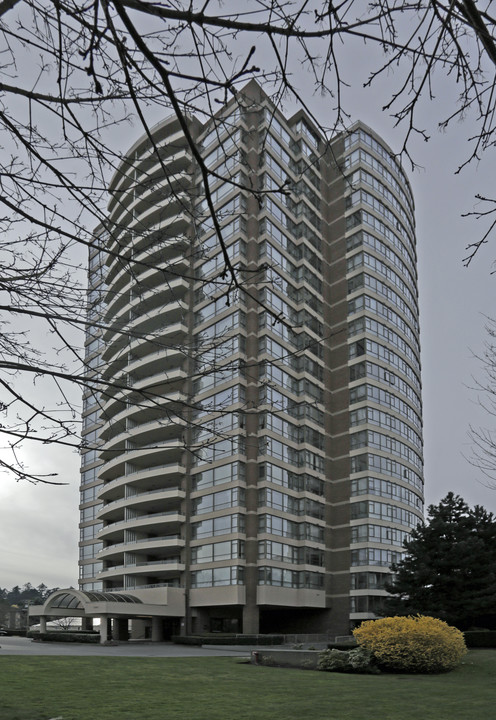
<point>255,462</point>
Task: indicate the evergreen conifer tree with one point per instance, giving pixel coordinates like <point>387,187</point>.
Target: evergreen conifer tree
<point>449,571</point>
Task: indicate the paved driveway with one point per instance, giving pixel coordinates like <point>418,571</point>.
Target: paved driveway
<point>24,646</point>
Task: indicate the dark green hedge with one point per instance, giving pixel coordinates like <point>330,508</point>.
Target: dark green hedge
<point>186,640</point>
<point>341,645</point>
<point>480,638</point>
<point>66,636</point>
<point>219,639</point>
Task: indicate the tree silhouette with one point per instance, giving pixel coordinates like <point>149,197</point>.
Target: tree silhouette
<point>450,567</point>
<point>75,76</point>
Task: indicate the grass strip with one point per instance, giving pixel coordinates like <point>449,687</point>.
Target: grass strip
<point>90,688</point>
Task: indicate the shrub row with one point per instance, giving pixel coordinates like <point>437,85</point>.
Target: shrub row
<point>187,640</point>
<point>65,636</point>
<point>214,639</point>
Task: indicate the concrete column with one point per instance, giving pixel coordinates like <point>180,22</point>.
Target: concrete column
<point>86,623</point>
<point>43,628</point>
<point>183,626</point>
<point>251,620</point>
<point>157,634</point>
<point>104,634</point>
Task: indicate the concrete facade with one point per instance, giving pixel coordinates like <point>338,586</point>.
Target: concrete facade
<point>258,448</point>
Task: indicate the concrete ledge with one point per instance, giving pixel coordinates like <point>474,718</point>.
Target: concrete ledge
<point>303,659</point>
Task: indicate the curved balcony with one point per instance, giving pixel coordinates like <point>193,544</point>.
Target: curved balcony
<point>151,266</point>
<point>169,234</point>
<point>157,316</point>
<point>147,218</point>
<point>149,321</point>
<point>144,480</point>
<point>151,432</point>
<point>130,404</point>
<point>161,568</point>
<point>142,411</point>
<point>165,522</point>
<point>156,266</point>
<point>176,163</point>
<point>171,229</point>
<point>141,197</point>
<point>117,365</point>
<point>163,383</point>
<point>164,338</point>
<point>166,131</point>
<point>116,302</point>
<point>145,164</point>
<point>158,454</point>
<point>122,392</point>
<point>148,300</point>
<point>113,510</point>
<point>116,351</point>
<point>117,430</point>
<point>166,545</point>
<point>149,395</point>
<point>151,284</point>
<point>144,173</point>
<point>150,364</point>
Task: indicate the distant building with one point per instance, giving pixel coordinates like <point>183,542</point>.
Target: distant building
<point>12,617</point>
<point>256,462</point>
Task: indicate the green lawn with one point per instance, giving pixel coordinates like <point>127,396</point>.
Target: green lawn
<point>93,688</point>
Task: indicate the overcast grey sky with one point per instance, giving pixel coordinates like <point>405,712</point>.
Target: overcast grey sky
<point>38,524</point>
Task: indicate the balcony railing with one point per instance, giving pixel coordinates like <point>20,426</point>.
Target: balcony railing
<point>138,518</point>
<point>162,538</point>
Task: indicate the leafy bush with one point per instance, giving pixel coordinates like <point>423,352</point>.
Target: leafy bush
<point>418,644</point>
<point>333,660</point>
<point>362,661</point>
<point>358,660</point>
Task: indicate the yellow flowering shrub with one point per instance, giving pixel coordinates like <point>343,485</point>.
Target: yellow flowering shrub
<point>418,644</point>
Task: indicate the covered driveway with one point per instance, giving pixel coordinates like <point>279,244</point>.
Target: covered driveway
<point>114,611</point>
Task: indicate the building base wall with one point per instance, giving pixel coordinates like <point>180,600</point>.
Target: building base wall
<point>220,619</point>
<point>331,622</point>
<point>269,620</point>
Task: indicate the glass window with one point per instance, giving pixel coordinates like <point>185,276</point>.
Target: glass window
<point>217,576</point>
<point>223,525</point>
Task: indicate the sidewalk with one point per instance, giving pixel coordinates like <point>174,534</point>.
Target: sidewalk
<point>24,646</point>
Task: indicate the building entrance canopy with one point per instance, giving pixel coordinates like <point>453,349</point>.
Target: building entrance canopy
<point>79,603</point>
<point>116,611</point>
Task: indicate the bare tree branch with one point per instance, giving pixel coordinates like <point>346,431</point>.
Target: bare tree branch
<point>75,76</point>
